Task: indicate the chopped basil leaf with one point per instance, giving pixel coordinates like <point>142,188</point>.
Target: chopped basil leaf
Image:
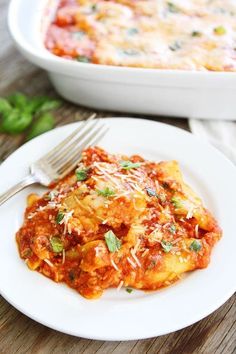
<point>172,7</point>
<point>131,52</point>
<point>195,246</point>
<point>82,174</point>
<point>172,228</point>
<point>56,243</point>
<point>152,264</point>
<point>83,59</point>
<point>59,217</point>
<point>127,165</point>
<point>129,290</point>
<point>151,192</point>
<point>94,7</point>
<point>220,30</point>
<point>175,46</point>
<point>167,246</point>
<point>196,34</point>
<point>113,243</point>
<point>106,192</point>
<point>176,202</point>
<point>132,31</point>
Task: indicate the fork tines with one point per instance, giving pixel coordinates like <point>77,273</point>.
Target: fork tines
<point>65,156</point>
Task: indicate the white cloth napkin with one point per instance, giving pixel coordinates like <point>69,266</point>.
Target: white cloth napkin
<point>222,134</point>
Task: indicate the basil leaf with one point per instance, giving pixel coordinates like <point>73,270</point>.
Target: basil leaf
<point>48,106</point>
<point>132,31</point>
<point>129,290</point>
<point>167,246</point>
<point>41,104</point>
<point>113,243</point>
<point>175,46</point>
<point>5,106</point>
<point>106,192</point>
<point>59,217</point>
<point>196,34</point>
<point>83,59</point>
<point>56,243</point>
<point>176,202</point>
<point>195,246</point>
<point>131,52</point>
<point>81,174</point>
<point>151,192</point>
<point>41,125</point>
<point>172,228</point>
<point>127,165</point>
<point>15,121</point>
<point>172,7</point>
<point>18,100</point>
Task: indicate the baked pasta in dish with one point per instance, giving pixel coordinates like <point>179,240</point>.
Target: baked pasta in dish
<point>178,34</point>
<point>117,222</point>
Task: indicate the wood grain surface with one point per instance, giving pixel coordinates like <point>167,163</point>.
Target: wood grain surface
<point>18,333</point>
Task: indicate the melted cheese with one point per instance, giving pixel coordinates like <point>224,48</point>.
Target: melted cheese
<point>178,34</point>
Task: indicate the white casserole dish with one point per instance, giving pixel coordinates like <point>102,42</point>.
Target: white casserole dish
<point>189,94</point>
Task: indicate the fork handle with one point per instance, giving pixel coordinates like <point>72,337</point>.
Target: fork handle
<point>27,181</point>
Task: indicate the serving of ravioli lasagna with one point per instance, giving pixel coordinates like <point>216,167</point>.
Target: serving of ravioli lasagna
<point>117,222</point>
<point>177,34</point>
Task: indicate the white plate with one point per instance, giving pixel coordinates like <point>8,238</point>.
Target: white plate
<point>119,315</point>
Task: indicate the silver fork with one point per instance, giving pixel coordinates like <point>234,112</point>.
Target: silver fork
<point>58,162</point>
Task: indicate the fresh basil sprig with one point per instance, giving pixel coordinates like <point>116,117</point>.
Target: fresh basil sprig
<point>113,243</point>
<point>19,113</point>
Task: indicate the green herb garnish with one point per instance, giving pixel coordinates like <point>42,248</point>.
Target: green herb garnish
<point>56,243</point>
<point>195,246</point>
<point>220,30</point>
<point>172,228</point>
<point>176,202</point>
<point>132,31</point>
<point>175,46</point>
<point>59,217</point>
<point>131,52</point>
<point>129,290</point>
<point>172,7</point>
<point>106,192</point>
<point>167,246</point>
<point>151,192</point>
<point>127,165</point>
<point>113,243</point>
<point>81,174</point>
<point>196,34</point>
<point>83,59</point>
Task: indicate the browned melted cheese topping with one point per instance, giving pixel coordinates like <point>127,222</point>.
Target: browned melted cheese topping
<point>178,34</point>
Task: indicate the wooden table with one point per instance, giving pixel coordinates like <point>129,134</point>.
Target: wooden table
<point>18,333</point>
